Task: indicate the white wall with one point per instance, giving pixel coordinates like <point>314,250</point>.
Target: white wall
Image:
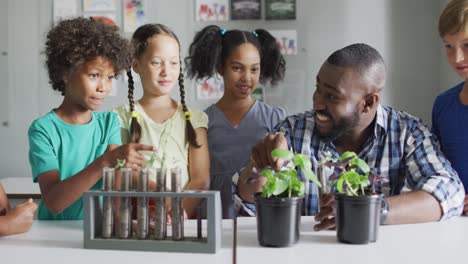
<point>405,32</point>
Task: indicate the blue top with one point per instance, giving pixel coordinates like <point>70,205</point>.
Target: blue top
<point>230,146</point>
<point>450,124</point>
<point>55,145</point>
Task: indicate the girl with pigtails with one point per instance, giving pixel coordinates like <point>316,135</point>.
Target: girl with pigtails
<point>178,132</point>
<point>237,121</point>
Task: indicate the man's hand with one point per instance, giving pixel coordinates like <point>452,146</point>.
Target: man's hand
<point>261,152</point>
<point>326,216</point>
<point>250,183</point>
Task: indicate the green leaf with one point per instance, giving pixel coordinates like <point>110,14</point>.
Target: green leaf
<point>364,181</point>
<point>347,155</point>
<point>267,173</point>
<point>306,166</point>
<point>311,177</point>
<point>281,186</point>
<point>151,160</point>
<point>339,184</point>
<point>361,164</point>
<point>282,154</point>
<point>120,163</point>
<point>297,187</point>
<point>300,192</point>
<point>302,161</point>
<point>268,188</point>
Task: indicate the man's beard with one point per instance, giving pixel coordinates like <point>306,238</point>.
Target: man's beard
<point>341,127</point>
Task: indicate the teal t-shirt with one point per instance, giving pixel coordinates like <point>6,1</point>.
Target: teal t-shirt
<point>57,145</point>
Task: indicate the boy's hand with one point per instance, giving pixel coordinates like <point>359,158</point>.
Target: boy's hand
<point>130,153</point>
<point>22,216</point>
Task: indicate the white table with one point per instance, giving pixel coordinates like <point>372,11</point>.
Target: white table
<point>440,242</point>
<point>61,242</point>
<point>21,188</point>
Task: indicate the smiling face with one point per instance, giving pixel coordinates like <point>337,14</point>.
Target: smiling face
<point>241,71</point>
<point>337,100</point>
<point>456,47</point>
<point>159,65</point>
<point>87,86</point>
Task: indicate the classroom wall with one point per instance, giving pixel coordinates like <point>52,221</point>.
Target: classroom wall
<point>405,32</point>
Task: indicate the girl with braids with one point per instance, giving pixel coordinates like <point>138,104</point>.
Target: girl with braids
<point>71,144</point>
<point>236,121</point>
<point>156,119</point>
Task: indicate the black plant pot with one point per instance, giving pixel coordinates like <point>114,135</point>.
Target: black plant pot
<point>357,218</point>
<point>278,221</point>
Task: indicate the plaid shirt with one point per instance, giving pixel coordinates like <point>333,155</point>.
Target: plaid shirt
<point>401,149</point>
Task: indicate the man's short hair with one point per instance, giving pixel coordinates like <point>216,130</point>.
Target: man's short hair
<point>359,56</point>
<point>454,18</point>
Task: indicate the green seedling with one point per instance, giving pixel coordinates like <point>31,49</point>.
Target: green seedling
<point>120,164</point>
<point>286,183</point>
<point>354,176</point>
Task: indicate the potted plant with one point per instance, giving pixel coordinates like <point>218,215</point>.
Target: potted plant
<point>279,204</point>
<point>357,199</point>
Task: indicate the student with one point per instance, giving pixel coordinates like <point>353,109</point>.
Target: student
<point>157,119</point>
<point>450,111</point>
<point>70,145</point>
<point>17,219</point>
<point>347,116</point>
<point>236,121</point>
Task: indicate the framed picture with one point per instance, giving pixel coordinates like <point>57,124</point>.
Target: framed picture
<point>245,9</point>
<point>133,14</point>
<point>99,5</point>
<point>210,89</point>
<point>280,9</point>
<point>287,40</point>
<point>211,10</point>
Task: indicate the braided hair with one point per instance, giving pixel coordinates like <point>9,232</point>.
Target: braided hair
<point>140,40</point>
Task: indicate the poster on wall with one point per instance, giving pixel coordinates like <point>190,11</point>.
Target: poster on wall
<point>133,14</point>
<point>210,89</point>
<point>245,9</point>
<point>99,5</point>
<point>287,40</point>
<point>63,9</point>
<point>211,10</point>
<point>280,9</point>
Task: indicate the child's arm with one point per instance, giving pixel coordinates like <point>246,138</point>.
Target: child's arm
<point>199,171</point>
<point>18,219</point>
<point>4,204</point>
<point>58,195</point>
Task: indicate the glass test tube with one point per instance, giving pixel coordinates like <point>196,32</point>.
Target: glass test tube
<point>160,227</point>
<point>125,220</point>
<point>107,215</point>
<point>142,209</point>
<point>177,208</point>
